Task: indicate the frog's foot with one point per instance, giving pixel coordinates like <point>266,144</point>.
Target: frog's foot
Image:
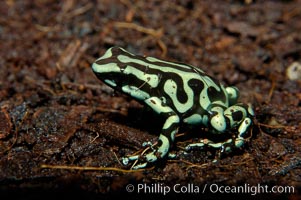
<point>140,161</point>
<point>224,146</point>
<point>148,157</point>
<point>157,151</point>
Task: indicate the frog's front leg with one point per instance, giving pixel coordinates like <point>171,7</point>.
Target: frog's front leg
<point>166,137</point>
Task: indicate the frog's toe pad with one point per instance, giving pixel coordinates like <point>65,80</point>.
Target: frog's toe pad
<point>127,160</point>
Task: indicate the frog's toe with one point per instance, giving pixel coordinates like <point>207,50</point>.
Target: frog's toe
<point>172,155</point>
<point>198,145</point>
<point>127,160</point>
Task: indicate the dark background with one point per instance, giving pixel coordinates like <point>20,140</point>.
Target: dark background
<point>54,111</point>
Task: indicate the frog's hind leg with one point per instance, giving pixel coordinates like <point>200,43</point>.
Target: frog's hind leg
<point>237,118</point>
<point>237,141</point>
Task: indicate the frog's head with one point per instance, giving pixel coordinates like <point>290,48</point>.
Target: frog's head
<point>108,69</point>
<point>124,72</point>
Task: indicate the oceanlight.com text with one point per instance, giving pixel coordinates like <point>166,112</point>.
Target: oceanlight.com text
<point>160,188</point>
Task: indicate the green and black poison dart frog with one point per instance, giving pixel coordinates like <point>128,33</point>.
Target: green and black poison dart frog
<point>181,94</point>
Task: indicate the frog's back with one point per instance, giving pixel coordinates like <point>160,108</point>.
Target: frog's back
<point>181,86</point>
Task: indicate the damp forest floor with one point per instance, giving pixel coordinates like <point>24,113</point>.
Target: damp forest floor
<point>63,132</point>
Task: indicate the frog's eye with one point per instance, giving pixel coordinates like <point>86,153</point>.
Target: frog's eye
<point>233,94</point>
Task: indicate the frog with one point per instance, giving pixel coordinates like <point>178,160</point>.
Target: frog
<point>179,93</point>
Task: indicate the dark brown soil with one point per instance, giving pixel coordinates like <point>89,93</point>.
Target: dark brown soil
<point>54,112</point>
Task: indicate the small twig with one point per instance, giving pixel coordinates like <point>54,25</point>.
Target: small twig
<point>85,168</point>
<point>272,126</point>
<point>97,136</point>
<point>163,47</point>
<point>110,110</point>
<point>190,164</point>
<point>80,11</point>
<point>271,90</point>
<point>155,33</point>
<point>116,158</point>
